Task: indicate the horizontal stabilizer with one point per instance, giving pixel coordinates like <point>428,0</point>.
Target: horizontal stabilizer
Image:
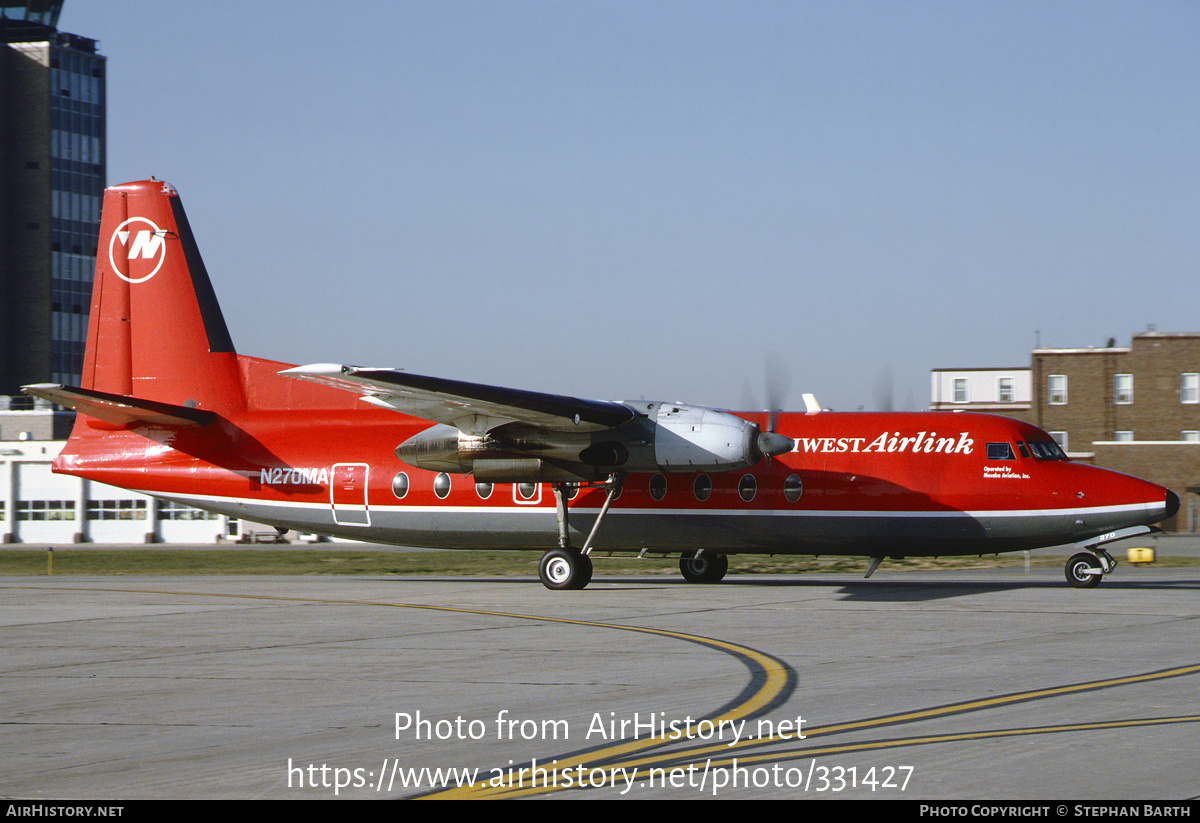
<point>118,409</point>
<point>472,407</point>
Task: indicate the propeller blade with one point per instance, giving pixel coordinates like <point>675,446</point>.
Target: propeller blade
<point>779,381</point>
<point>885,390</point>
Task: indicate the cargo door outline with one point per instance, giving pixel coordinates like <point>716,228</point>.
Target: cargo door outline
<point>348,494</point>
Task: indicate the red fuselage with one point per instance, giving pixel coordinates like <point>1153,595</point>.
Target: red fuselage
<point>320,460</point>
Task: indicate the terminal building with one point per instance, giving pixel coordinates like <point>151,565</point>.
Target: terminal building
<point>1134,409</point>
<point>38,506</point>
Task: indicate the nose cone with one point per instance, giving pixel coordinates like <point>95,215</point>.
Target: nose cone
<point>1172,504</point>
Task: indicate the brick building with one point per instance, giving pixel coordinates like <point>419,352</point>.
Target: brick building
<point>1133,409</point>
<point>1146,392</point>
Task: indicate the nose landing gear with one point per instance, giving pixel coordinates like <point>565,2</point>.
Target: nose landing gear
<point>1086,569</point>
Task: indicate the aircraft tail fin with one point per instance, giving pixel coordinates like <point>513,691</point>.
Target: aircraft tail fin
<point>156,332</point>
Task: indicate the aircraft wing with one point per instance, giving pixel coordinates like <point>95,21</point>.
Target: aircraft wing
<point>473,408</point>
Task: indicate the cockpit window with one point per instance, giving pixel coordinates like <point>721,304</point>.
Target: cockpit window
<point>1047,450</point>
<point>1021,448</point>
<point>999,451</point>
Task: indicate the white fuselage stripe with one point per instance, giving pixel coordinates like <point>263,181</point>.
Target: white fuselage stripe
<point>199,501</point>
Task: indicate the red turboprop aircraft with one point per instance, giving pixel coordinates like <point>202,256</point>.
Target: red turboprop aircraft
<point>168,408</point>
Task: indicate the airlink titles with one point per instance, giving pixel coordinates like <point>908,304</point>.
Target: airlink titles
<point>922,442</point>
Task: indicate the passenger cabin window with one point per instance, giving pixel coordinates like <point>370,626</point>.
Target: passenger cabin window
<point>658,486</point>
<point>793,487</point>
<point>1000,451</point>
<point>702,488</point>
<point>747,487</point>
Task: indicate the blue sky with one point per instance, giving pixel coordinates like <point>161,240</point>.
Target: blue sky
<point>621,200</point>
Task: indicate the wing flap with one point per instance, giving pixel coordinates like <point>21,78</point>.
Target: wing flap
<point>473,408</point>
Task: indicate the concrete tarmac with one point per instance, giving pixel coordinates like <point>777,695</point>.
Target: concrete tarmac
<point>946,685</point>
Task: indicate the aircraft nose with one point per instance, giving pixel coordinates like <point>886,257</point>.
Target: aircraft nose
<point>1172,503</point>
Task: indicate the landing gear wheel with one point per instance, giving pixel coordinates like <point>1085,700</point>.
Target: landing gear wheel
<point>1083,571</point>
<point>563,570</point>
<point>585,572</point>
<point>703,568</point>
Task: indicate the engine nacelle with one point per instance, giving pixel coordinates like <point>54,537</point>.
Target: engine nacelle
<point>665,437</point>
<point>693,438</point>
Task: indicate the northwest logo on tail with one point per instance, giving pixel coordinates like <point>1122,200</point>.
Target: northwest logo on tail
<point>137,239</point>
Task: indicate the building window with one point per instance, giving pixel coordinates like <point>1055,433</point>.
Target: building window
<point>1189,388</point>
<point>116,510</point>
<point>1061,439</point>
<point>1190,436</point>
<point>960,390</point>
<point>1122,389</point>
<point>170,510</point>
<point>1123,437</point>
<point>1006,390</point>
<point>1056,389</point>
<point>48,509</point>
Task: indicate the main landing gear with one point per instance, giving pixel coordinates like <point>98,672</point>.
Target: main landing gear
<point>1085,570</point>
<point>703,568</point>
<point>566,567</point>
